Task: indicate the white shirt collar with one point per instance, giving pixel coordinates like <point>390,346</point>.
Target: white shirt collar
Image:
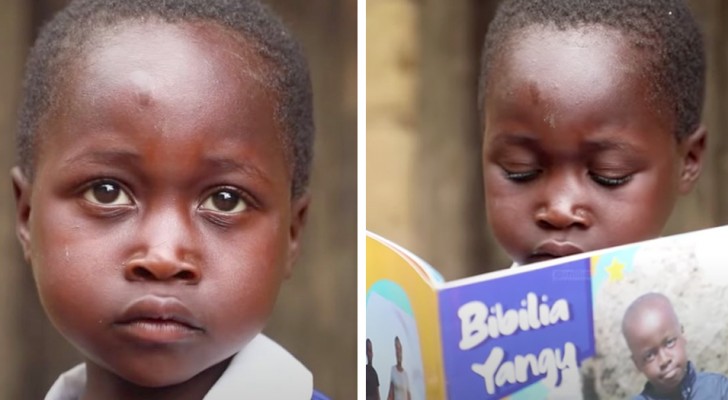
<point>262,370</point>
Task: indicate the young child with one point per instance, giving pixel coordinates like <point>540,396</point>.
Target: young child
<point>655,338</point>
<point>591,120</point>
<point>164,153</point>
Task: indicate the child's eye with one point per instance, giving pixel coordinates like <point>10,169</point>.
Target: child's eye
<point>523,176</point>
<point>107,193</point>
<point>610,181</point>
<point>225,200</point>
<point>649,357</point>
<point>670,342</point>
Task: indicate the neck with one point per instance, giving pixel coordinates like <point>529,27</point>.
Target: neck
<point>104,384</point>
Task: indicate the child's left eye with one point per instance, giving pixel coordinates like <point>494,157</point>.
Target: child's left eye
<point>225,200</point>
<point>609,181</point>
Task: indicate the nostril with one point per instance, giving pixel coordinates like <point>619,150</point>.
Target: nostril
<point>142,273</point>
<point>186,275</point>
<point>148,270</point>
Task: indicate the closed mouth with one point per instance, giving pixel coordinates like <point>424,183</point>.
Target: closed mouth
<point>551,249</point>
<point>671,374</point>
<point>155,319</point>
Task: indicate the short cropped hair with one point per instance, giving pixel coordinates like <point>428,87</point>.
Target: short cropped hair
<point>68,35</point>
<point>663,30</point>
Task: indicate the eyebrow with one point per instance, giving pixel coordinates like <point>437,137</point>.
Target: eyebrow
<point>604,145</point>
<point>529,141</point>
<point>105,157</point>
<point>230,165</point>
<point>515,139</point>
<point>124,157</point>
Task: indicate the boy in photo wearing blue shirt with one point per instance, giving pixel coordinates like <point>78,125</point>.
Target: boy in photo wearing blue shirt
<point>656,341</point>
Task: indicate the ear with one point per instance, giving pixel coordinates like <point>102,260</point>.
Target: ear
<point>21,190</point>
<point>692,150</point>
<point>299,216</point>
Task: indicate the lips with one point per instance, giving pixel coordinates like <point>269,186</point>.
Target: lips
<point>158,320</point>
<point>672,374</point>
<point>551,249</point>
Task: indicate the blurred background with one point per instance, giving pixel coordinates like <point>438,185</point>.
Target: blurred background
<point>424,183</point>
<point>315,317</point>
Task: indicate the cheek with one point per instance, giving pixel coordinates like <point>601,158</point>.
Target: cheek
<point>72,281</point>
<point>245,275</point>
<point>638,212</point>
<point>509,216</point>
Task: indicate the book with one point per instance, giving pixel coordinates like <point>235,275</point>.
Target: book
<point>551,330</point>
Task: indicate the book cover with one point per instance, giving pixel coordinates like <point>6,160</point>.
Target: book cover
<point>551,330</point>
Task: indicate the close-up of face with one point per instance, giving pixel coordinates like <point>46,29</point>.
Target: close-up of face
<point>159,223</point>
<point>575,156</point>
<point>657,344</point>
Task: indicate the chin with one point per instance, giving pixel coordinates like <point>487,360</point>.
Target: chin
<point>158,377</point>
<point>157,372</point>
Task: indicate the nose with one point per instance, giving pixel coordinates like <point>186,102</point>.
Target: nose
<point>165,250</point>
<point>155,268</point>
<point>562,205</point>
<point>664,359</point>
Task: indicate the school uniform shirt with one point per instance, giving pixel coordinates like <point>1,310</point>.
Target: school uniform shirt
<point>694,386</point>
<point>256,372</point>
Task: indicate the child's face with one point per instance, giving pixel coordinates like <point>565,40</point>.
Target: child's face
<point>160,224</point>
<point>658,347</point>
<point>574,156</point>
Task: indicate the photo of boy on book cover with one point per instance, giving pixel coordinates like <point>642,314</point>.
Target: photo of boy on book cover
<point>689,272</point>
<point>657,344</point>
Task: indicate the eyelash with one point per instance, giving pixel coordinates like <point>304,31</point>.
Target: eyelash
<point>87,193</point>
<point>243,196</point>
<point>523,177</point>
<point>98,183</point>
<point>609,181</point>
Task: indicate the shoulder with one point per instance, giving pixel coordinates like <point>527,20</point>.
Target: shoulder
<point>258,370</point>
<point>711,385</point>
<point>70,385</point>
<point>711,377</point>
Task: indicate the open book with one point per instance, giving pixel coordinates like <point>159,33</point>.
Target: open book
<point>551,330</point>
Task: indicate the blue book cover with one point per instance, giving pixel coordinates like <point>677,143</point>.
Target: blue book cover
<point>608,324</point>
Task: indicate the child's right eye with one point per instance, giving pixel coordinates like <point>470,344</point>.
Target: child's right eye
<point>521,176</point>
<point>107,193</point>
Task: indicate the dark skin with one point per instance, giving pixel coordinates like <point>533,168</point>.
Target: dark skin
<point>160,223</point>
<point>575,156</point>
<point>655,339</point>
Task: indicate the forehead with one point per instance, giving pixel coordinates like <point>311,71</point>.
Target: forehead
<point>652,319</point>
<point>173,89</point>
<point>173,68</point>
<point>571,66</point>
